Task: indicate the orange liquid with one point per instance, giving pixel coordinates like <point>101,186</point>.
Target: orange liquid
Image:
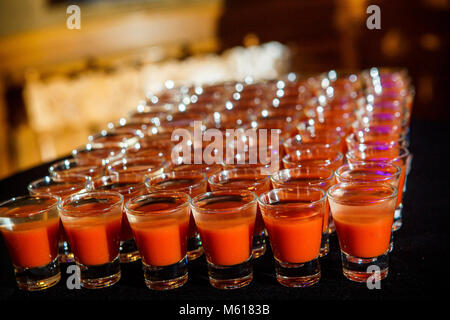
<point>181,184</point>
<point>227,242</point>
<point>33,244</point>
<point>162,243</point>
<point>94,241</point>
<point>296,239</point>
<point>250,184</point>
<point>363,231</point>
<point>125,233</point>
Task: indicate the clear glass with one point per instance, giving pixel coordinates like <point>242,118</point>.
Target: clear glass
<point>294,221</point>
<point>69,167</point>
<point>363,214</point>
<point>30,227</point>
<point>255,180</point>
<point>61,187</point>
<point>97,155</point>
<point>314,156</point>
<point>385,154</point>
<point>192,183</point>
<point>225,220</point>
<point>309,176</point>
<point>160,223</point>
<point>92,222</point>
<point>129,185</point>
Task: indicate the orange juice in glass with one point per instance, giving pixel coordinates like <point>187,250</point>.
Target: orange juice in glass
<point>92,222</point>
<point>225,220</point>
<point>30,226</point>
<point>363,214</point>
<point>129,185</point>
<point>61,186</point>
<point>393,154</point>
<point>294,222</point>
<point>160,223</point>
<point>255,180</point>
<point>192,183</point>
<point>319,177</point>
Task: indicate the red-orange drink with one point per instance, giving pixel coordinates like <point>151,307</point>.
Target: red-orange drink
<point>35,243</point>
<point>30,227</point>
<point>190,182</point>
<point>160,224</point>
<point>94,239</point>
<point>225,220</point>
<point>294,221</point>
<point>245,179</point>
<point>92,221</point>
<point>363,214</point>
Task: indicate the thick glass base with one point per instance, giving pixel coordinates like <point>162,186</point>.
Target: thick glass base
<point>128,251</point>
<point>195,248</point>
<point>397,218</point>
<point>100,276</point>
<point>166,277</point>
<point>259,244</point>
<point>298,274</point>
<point>230,277</point>
<point>65,253</point>
<point>361,269</point>
<point>324,245</point>
<point>39,278</point>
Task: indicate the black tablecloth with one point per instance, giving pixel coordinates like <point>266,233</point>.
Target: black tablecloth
<point>418,264</point>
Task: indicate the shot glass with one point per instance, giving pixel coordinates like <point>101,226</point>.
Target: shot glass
<point>246,179</point>
<point>98,155</point>
<point>30,227</point>
<point>129,185</point>
<point>372,172</point>
<point>294,222</point>
<point>61,187</point>
<point>363,214</point>
<point>314,156</point>
<point>92,222</point>
<point>190,182</point>
<point>385,154</point>
<point>66,168</point>
<point>309,176</point>
<point>138,166</point>
<point>160,223</point>
<point>225,220</point>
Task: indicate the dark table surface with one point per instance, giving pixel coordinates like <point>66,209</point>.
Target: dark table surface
<point>418,263</point>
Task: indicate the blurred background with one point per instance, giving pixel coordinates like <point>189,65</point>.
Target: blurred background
<point>58,85</point>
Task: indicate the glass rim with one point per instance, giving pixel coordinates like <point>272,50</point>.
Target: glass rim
<point>148,178</point>
<point>33,185</point>
<point>293,190</point>
<point>193,201</point>
<point>90,147</point>
<point>125,160</point>
<point>257,171</point>
<point>320,168</point>
<point>61,165</point>
<point>159,212</point>
<point>116,175</point>
<point>393,195</point>
<point>37,212</point>
<point>65,212</point>
<point>402,149</point>
<point>339,156</point>
<point>395,175</point>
